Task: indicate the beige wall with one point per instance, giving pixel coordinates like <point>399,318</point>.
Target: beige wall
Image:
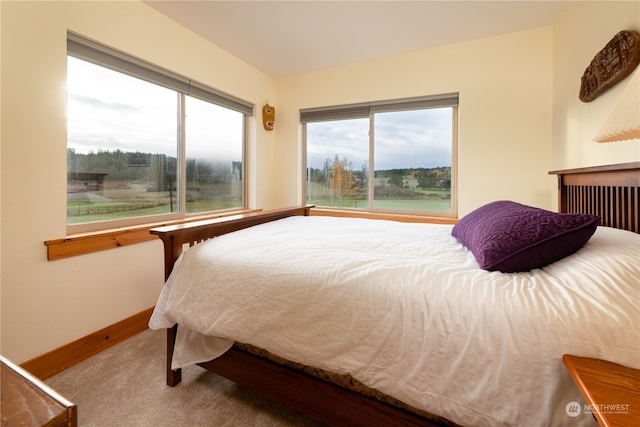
<point>48,304</point>
<point>505,87</point>
<point>519,117</point>
<point>581,31</point>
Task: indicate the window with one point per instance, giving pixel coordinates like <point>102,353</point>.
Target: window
<point>391,156</point>
<point>144,144</point>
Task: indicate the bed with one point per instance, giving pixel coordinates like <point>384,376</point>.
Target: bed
<point>486,350</point>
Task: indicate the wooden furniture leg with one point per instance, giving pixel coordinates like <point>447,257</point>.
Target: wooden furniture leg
<point>174,376</point>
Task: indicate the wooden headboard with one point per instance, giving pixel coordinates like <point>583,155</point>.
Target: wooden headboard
<point>612,192</point>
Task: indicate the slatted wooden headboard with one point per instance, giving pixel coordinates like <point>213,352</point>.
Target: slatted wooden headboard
<point>612,192</point>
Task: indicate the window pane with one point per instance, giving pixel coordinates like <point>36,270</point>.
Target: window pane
<point>412,159</point>
<point>122,144</point>
<point>214,143</point>
<point>337,163</point>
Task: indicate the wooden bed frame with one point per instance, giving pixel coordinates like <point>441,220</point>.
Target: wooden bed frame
<point>612,192</point>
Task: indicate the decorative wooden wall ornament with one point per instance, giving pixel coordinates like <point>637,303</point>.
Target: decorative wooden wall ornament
<point>612,64</point>
<point>268,116</point>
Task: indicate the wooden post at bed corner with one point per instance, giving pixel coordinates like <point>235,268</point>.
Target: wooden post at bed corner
<point>175,236</point>
<point>174,376</point>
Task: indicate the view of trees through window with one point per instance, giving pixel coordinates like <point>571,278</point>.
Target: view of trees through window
<point>124,145</point>
<point>121,184</point>
<point>412,161</point>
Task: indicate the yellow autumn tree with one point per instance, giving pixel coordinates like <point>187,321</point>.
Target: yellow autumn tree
<point>342,181</point>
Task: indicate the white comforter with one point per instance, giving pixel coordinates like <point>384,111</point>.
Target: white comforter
<point>405,309</point>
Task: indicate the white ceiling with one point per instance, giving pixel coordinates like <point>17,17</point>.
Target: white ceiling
<point>283,38</point>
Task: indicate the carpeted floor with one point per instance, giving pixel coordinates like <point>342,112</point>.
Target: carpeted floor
<point>124,386</point>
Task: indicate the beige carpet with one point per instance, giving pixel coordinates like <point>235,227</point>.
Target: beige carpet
<point>124,386</point>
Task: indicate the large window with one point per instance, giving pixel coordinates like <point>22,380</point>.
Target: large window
<point>391,156</point>
<point>144,144</point>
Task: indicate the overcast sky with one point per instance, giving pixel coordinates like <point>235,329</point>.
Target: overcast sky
<point>407,139</point>
<point>111,111</point>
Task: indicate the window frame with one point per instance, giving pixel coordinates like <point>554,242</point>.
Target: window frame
<point>368,110</point>
<point>88,50</point>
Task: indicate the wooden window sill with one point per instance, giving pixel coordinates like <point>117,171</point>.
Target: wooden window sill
<point>387,216</point>
<point>84,243</point>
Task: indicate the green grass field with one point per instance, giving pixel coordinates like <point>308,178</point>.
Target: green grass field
<point>120,200</point>
<point>109,211</point>
<point>436,205</point>
<point>414,199</point>
<point>125,200</point>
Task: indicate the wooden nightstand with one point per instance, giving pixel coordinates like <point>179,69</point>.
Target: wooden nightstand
<point>27,401</point>
<point>612,391</point>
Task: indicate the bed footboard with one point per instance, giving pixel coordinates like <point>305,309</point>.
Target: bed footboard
<point>174,237</point>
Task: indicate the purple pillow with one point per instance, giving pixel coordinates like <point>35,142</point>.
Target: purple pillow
<point>509,237</point>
